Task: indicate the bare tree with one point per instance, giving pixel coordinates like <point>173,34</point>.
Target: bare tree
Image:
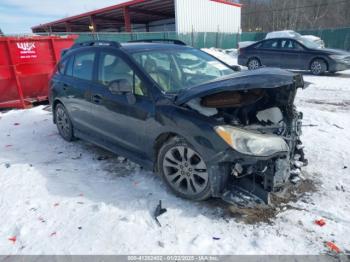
<point>269,15</point>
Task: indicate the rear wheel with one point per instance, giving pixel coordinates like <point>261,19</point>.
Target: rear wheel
<point>318,67</point>
<point>254,63</point>
<point>184,170</point>
<point>63,122</point>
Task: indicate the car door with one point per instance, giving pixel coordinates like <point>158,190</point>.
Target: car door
<point>116,119</point>
<point>76,85</point>
<point>292,56</point>
<point>269,53</point>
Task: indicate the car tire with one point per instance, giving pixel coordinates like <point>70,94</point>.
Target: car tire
<point>63,123</point>
<point>318,67</point>
<point>184,170</point>
<point>253,64</point>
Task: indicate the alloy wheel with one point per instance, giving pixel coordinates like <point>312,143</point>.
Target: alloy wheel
<point>185,170</point>
<point>253,64</point>
<point>63,122</point>
<point>316,68</point>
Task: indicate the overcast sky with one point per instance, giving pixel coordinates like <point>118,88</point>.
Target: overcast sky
<point>18,16</point>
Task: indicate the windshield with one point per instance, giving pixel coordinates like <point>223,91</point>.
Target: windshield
<point>178,69</point>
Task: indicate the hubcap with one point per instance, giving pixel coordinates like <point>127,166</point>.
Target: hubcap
<point>185,170</point>
<point>316,67</point>
<point>254,64</point>
<point>62,122</point>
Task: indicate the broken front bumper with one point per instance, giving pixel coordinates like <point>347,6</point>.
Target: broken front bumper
<point>232,174</point>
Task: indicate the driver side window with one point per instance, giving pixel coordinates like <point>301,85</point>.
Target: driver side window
<point>113,67</point>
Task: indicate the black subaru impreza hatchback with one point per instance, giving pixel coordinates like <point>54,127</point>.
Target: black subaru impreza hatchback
<point>191,118</point>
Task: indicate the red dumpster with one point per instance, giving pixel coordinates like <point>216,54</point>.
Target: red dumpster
<point>26,64</point>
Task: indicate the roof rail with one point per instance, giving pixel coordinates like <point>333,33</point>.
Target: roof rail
<point>96,43</point>
<point>173,41</point>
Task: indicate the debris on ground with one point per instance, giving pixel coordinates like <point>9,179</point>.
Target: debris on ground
<point>159,211</point>
<point>333,247</point>
<point>13,239</point>
<point>338,126</point>
<point>341,188</point>
<point>321,222</point>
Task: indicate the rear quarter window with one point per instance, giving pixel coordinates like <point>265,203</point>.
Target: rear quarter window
<point>61,67</point>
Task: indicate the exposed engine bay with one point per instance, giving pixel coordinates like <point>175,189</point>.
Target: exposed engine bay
<point>271,115</point>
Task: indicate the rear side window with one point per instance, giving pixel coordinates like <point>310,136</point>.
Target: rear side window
<point>83,66</point>
<point>270,44</point>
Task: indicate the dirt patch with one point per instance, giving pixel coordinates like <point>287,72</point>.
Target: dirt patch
<point>293,194</point>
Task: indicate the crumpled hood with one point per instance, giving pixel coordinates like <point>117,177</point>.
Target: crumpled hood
<point>264,78</point>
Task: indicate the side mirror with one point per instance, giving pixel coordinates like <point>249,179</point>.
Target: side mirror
<point>121,86</point>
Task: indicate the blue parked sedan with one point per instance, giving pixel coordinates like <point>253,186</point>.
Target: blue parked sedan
<point>289,53</point>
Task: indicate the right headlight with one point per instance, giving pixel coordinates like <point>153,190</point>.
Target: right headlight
<point>252,143</point>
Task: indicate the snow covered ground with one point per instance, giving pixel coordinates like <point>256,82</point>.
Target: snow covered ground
<point>74,198</point>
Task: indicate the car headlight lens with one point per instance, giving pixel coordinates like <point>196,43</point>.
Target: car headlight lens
<point>338,57</point>
<point>252,143</point>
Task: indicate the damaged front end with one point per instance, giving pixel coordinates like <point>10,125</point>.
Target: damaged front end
<point>260,123</point>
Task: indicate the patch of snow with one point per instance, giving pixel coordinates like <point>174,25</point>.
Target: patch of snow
<point>283,33</point>
<point>273,115</point>
<point>245,44</point>
<point>292,34</point>
<point>229,58</point>
<point>196,105</point>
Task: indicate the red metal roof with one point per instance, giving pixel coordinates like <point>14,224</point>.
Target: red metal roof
<point>139,11</point>
<point>227,3</point>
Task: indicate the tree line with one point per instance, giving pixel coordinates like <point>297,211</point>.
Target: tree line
<point>272,15</point>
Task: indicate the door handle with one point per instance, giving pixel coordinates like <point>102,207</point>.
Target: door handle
<point>96,99</point>
<point>65,86</point>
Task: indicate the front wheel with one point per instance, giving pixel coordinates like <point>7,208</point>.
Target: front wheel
<point>63,122</point>
<point>318,67</point>
<point>184,170</point>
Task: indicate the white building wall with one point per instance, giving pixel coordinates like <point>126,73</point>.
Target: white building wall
<point>206,16</point>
